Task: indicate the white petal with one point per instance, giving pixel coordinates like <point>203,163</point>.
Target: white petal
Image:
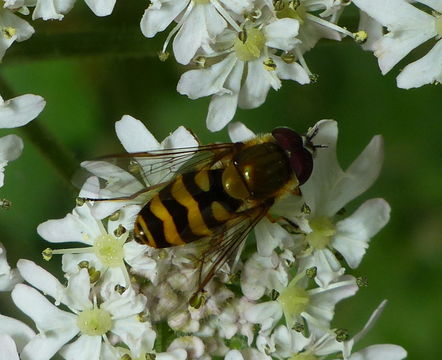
<point>138,336</point>
<point>78,290</point>
<point>383,351</point>
<point>11,147</point>
<point>326,170</point>
<point>255,88</point>
<point>280,34</point>
<point>238,132</point>
<point>20,110</point>
<point>233,355</point>
<point>426,70</point>
<point>46,316</point>
<point>328,267</point>
<point>20,332</point>
<point>354,233</point>
<point>408,26</point>
<point>323,301</point>
<point>359,176</point>
<point>134,136</point>
<point>222,108</point>
<point>192,344</point>
<point>178,354</point>
<point>180,138</point>
<point>8,351</point>
<point>46,10</point>
<point>84,348</point>
<point>204,82</point>
<point>57,326</point>
<point>269,236</point>
<point>371,321</point>
<point>40,278</point>
<point>80,226</point>
<point>101,7</point>
<point>373,28</point>
<point>214,21</point>
<point>194,33</point>
<point>237,6</point>
<point>8,277</point>
<point>267,314</point>
<point>292,71</point>
<point>156,18</point>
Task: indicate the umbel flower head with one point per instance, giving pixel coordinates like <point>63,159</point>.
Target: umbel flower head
<point>124,300</point>
<point>408,27</point>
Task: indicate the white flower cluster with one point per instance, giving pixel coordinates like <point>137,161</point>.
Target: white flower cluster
<point>241,49</point>
<point>123,300</point>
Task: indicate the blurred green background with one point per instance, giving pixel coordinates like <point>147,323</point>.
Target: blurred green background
<point>91,71</point>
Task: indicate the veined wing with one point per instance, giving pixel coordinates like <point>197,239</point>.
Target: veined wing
<point>127,175</point>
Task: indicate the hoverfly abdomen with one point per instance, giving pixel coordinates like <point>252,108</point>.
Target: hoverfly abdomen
<point>187,209</point>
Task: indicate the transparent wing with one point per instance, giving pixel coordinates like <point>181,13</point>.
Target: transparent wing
<point>127,175</point>
<point>227,244</point>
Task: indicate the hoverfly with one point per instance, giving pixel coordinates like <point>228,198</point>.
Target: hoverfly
<point>216,192</point>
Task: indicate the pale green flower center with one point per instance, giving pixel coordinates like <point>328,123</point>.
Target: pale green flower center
<point>439,25</point>
<point>109,250</point>
<point>94,322</point>
<point>201,1</point>
<point>294,300</point>
<point>303,357</point>
<point>322,234</point>
<point>249,44</point>
<point>291,9</point>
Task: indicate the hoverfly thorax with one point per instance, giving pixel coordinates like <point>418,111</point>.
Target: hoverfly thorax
<point>263,169</point>
<point>299,149</point>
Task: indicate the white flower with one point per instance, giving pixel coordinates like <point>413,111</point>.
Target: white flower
<point>408,27</point>
<point>199,22</point>
<point>14,335</point>
<point>327,191</point>
<point>107,247</point>
<point>92,320</point>
<point>8,277</point>
<point>297,302</point>
<point>12,28</point>
<point>289,343</point>
<point>251,52</point>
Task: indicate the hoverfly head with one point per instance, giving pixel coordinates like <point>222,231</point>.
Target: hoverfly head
<point>300,150</point>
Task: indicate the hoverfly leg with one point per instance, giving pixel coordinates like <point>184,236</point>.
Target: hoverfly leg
<point>289,225</point>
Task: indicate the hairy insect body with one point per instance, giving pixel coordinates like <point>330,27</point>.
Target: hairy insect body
<point>197,204</point>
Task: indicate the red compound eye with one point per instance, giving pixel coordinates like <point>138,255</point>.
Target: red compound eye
<point>301,159</point>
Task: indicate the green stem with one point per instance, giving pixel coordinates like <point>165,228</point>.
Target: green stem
<point>59,157</point>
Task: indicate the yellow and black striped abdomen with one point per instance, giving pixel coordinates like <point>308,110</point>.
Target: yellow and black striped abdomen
<point>191,207</point>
